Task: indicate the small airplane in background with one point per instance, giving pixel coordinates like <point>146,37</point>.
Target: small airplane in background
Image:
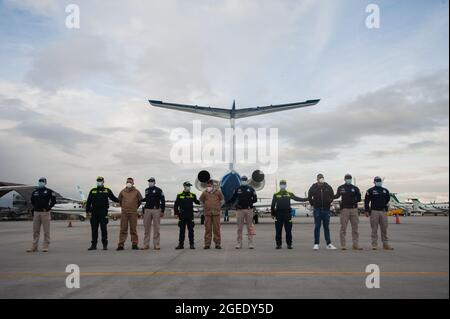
<point>431,208</point>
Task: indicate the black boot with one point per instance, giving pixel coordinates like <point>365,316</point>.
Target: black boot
<point>93,247</point>
<point>180,246</point>
<point>290,247</point>
<point>135,247</point>
<point>278,247</point>
<point>105,246</point>
<point>192,246</point>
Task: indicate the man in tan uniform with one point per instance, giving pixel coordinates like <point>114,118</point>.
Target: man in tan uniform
<point>212,199</point>
<point>130,199</point>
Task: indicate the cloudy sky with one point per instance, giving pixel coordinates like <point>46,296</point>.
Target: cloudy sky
<point>73,101</point>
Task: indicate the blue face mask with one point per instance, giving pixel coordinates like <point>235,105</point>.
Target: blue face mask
<point>41,184</point>
<point>378,184</point>
<point>99,184</point>
<point>348,181</point>
<point>283,187</point>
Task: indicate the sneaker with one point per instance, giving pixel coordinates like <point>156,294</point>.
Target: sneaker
<point>331,247</point>
<point>316,247</point>
<point>251,246</point>
<point>120,248</point>
<point>238,246</point>
<point>45,250</point>
<point>93,247</point>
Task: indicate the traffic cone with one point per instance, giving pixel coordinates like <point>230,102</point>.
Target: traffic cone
<point>70,224</point>
<point>397,218</point>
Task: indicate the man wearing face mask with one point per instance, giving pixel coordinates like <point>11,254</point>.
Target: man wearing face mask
<point>212,199</point>
<point>155,204</point>
<point>97,205</point>
<point>281,210</point>
<point>42,199</point>
<point>320,197</point>
<point>130,199</point>
<point>244,197</point>
<point>351,196</point>
<point>184,209</point>
<point>376,205</point>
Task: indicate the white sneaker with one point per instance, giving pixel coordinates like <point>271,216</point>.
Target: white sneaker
<point>316,247</point>
<point>239,246</point>
<point>331,247</point>
<point>251,246</point>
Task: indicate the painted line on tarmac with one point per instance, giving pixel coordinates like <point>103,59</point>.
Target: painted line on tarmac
<point>15,275</point>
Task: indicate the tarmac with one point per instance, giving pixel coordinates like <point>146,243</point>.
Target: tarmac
<point>417,268</point>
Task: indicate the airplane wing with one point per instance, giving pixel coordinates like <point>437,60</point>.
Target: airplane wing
<point>203,110</point>
<point>260,110</point>
<point>233,113</point>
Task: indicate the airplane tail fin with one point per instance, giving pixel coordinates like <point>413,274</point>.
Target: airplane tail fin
<point>83,198</point>
<point>394,198</point>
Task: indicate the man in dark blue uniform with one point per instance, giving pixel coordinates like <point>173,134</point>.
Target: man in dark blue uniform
<point>184,209</point>
<point>155,204</point>
<point>350,197</point>
<point>282,212</point>
<point>243,199</point>
<point>97,204</point>
<point>376,204</point>
<point>42,200</point>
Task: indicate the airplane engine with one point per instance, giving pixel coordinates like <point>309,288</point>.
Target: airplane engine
<point>258,180</point>
<point>202,178</point>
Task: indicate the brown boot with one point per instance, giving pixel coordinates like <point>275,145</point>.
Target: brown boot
<point>32,250</point>
<point>387,247</point>
<point>356,247</point>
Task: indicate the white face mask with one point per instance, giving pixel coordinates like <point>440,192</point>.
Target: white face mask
<point>244,183</point>
<point>187,189</point>
<point>209,189</point>
<point>129,185</point>
<point>99,184</point>
<point>151,184</point>
<point>322,180</point>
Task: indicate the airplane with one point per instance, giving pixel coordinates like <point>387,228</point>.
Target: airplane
<point>64,205</point>
<point>395,203</point>
<point>431,208</point>
<point>232,179</point>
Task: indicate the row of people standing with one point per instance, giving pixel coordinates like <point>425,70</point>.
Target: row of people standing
<point>320,196</point>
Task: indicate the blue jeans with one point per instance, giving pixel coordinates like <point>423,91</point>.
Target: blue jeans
<point>322,216</point>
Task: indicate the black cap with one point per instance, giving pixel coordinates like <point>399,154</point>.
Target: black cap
<point>244,178</point>
<point>348,176</point>
<point>43,179</point>
<point>377,179</point>
<point>100,179</point>
<point>283,182</point>
<point>319,176</point>
<point>187,184</point>
<point>151,179</point>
